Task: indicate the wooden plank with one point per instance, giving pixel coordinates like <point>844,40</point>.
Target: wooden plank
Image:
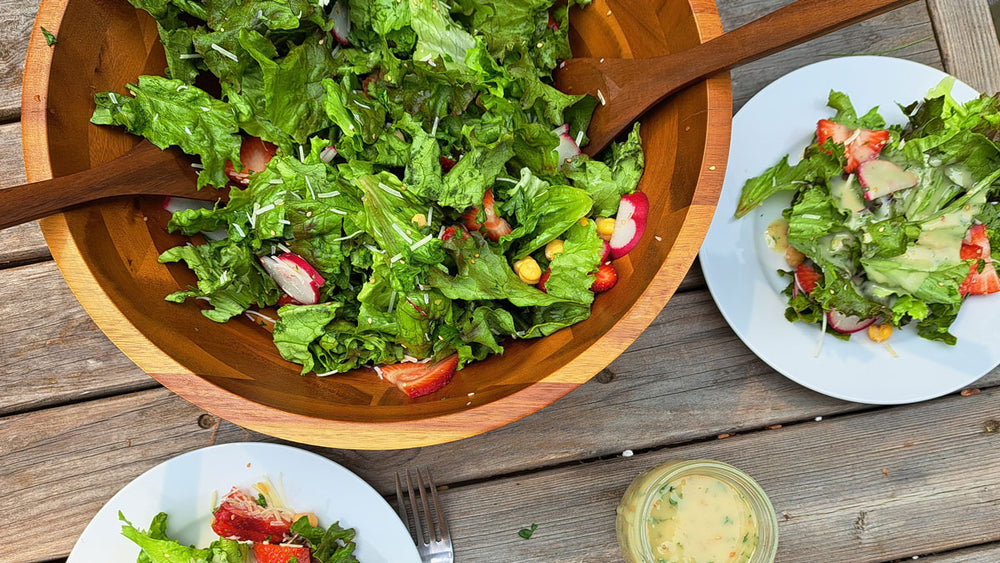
<point>15,28</point>
<point>904,33</point>
<point>933,496</point>
<point>23,243</point>
<point>989,553</point>
<point>968,40</point>
<point>50,350</point>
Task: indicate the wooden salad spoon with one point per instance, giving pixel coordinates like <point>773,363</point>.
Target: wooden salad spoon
<point>626,87</point>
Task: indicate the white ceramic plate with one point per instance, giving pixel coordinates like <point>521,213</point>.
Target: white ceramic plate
<point>741,269</point>
<point>183,488</point>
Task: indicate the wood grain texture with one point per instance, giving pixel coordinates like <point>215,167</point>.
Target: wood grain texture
<point>50,351</point>
<point>16,17</point>
<point>989,553</point>
<point>905,33</point>
<point>968,42</point>
<point>848,508</point>
<point>23,243</point>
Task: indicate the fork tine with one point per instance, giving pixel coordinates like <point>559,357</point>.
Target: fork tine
<point>442,523</point>
<point>432,535</point>
<point>416,511</point>
<point>401,503</point>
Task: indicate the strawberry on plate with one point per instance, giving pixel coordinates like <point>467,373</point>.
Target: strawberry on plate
<point>255,153</point>
<point>976,246</point>
<point>240,517</point>
<point>860,145</point>
<point>419,379</point>
<point>807,278</point>
<point>278,553</point>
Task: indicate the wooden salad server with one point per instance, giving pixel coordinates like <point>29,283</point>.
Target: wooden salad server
<point>626,87</point>
<point>144,170</point>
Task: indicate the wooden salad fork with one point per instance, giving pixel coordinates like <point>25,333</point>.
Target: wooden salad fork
<point>627,88</point>
<point>144,170</point>
<point>433,541</point>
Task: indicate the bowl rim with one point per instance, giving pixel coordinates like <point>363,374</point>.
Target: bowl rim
<point>370,435</point>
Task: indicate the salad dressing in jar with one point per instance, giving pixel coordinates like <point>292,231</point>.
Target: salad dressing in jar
<point>696,511</point>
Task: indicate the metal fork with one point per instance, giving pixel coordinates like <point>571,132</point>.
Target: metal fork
<point>433,542</point>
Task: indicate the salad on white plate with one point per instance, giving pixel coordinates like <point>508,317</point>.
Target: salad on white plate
<point>189,500</point>
<point>754,285</point>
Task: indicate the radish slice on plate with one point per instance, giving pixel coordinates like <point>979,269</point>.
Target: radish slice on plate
<point>567,148</point>
<point>294,276</point>
<point>630,223</point>
<point>847,324</point>
<point>341,23</point>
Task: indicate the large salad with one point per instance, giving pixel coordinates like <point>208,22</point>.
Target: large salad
<point>407,186</point>
<point>889,226</point>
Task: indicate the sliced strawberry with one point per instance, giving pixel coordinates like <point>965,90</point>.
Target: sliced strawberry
<point>275,553</point>
<point>453,231</point>
<point>605,278</point>
<point>416,379</point>
<point>494,226</point>
<point>980,283</point>
<point>254,155</point>
<point>860,145</point>
<point>807,278</point>
<point>976,246</point>
<point>239,517</point>
<point>544,278</point>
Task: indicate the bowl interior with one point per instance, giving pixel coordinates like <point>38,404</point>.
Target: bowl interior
<point>108,252</point>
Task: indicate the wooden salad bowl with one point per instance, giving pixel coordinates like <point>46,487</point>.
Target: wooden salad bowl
<point>108,252</point>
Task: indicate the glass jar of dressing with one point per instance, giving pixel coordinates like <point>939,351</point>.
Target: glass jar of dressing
<point>694,512</point>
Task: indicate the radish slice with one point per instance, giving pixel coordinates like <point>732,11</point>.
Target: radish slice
<point>327,154</point>
<point>341,23</point>
<point>605,251</point>
<point>630,223</point>
<point>567,148</point>
<point>881,178</point>
<point>294,276</point>
<point>847,324</point>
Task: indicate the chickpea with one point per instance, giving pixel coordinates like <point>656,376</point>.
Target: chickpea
<point>528,270</point>
<point>794,257</point>
<point>420,219</point>
<point>552,248</point>
<point>880,332</point>
<point>313,521</point>
<point>605,226</point>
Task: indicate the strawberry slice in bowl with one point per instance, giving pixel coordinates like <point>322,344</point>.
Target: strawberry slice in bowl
<point>255,153</point>
<point>417,379</point>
